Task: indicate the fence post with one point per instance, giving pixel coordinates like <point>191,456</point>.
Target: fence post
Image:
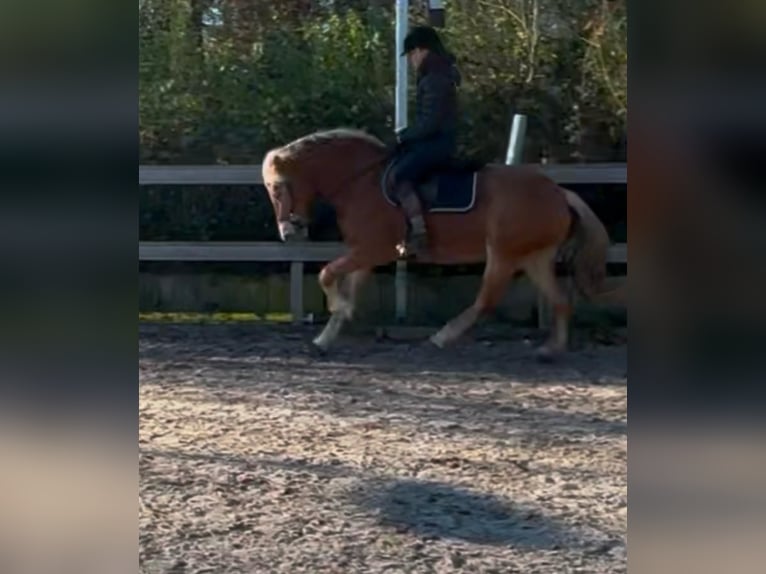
<point>296,291</point>
<point>400,284</point>
<point>516,140</point>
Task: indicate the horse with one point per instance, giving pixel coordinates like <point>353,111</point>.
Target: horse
<point>516,219</point>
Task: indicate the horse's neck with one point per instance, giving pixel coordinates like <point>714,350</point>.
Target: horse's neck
<point>346,176</point>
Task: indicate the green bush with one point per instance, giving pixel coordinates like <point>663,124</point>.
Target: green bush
<point>209,95</point>
<point>223,81</point>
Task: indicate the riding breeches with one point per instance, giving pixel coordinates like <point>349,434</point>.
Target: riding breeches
<point>417,161</point>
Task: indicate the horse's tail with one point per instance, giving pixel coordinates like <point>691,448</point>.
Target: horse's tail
<point>587,249</point>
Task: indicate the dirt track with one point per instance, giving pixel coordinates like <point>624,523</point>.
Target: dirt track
<point>384,457</point>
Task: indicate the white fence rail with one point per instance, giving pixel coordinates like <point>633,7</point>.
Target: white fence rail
<point>251,174</point>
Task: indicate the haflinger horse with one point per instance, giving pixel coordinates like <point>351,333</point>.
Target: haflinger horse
<point>513,218</point>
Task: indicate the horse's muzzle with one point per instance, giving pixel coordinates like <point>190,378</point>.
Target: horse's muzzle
<point>294,230</point>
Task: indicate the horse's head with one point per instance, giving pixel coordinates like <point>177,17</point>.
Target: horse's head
<point>316,164</point>
<point>291,196</point>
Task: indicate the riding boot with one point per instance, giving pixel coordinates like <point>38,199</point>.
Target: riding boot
<point>416,242</point>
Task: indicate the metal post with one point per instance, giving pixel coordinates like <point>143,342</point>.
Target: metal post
<point>400,290</point>
<point>402,18</point>
<point>402,11</point>
<point>296,291</point>
<point>516,141</point>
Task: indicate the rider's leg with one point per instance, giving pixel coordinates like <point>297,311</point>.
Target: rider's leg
<point>409,169</point>
<point>417,235</point>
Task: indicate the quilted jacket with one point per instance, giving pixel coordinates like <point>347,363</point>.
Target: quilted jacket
<point>436,100</point>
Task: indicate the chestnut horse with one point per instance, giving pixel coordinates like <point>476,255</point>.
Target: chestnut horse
<point>521,221</point>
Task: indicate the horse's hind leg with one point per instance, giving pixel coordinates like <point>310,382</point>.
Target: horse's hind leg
<point>353,284</point>
<point>541,270</point>
<point>497,275</point>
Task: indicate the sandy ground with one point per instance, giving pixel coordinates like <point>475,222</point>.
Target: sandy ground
<point>256,456</point>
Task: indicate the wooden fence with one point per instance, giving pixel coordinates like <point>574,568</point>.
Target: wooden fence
<point>298,254</point>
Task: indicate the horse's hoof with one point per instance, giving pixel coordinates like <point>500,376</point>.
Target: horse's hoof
<point>429,345</point>
<point>317,350</point>
<point>546,355</point>
<point>436,341</point>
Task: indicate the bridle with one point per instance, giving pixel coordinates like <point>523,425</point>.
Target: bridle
<point>294,224</point>
<point>297,223</point>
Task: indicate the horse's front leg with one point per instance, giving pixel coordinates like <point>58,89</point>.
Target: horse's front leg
<point>340,306</point>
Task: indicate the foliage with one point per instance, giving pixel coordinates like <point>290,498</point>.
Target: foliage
<point>222,81</point>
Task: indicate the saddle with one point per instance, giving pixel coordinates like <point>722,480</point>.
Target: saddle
<point>450,187</point>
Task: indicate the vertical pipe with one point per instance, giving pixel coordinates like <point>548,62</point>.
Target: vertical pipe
<point>402,18</point>
<point>516,141</point>
<point>402,11</point>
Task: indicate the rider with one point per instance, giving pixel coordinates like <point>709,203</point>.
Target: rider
<point>431,140</point>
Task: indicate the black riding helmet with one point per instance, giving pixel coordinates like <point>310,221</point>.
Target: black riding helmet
<point>422,37</point>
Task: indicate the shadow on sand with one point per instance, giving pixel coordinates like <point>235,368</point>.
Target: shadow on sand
<point>437,510</point>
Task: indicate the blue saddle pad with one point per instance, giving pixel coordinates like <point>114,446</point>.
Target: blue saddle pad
<point>447,190</point>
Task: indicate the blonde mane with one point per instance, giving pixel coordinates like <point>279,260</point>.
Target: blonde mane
<point>301,145</point>
<point>280,162</point>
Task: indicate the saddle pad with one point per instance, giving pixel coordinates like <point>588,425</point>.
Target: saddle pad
<point>455,190</point>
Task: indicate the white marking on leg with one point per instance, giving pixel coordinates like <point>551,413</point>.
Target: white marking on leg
<point>332,294</point>
<point>330,332</point>
<point>540,269</point>
<point>343,307</point>
<point>286,230</point>
<point>444,336</point>
<point>337,303</point>
<point>440,338</point>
